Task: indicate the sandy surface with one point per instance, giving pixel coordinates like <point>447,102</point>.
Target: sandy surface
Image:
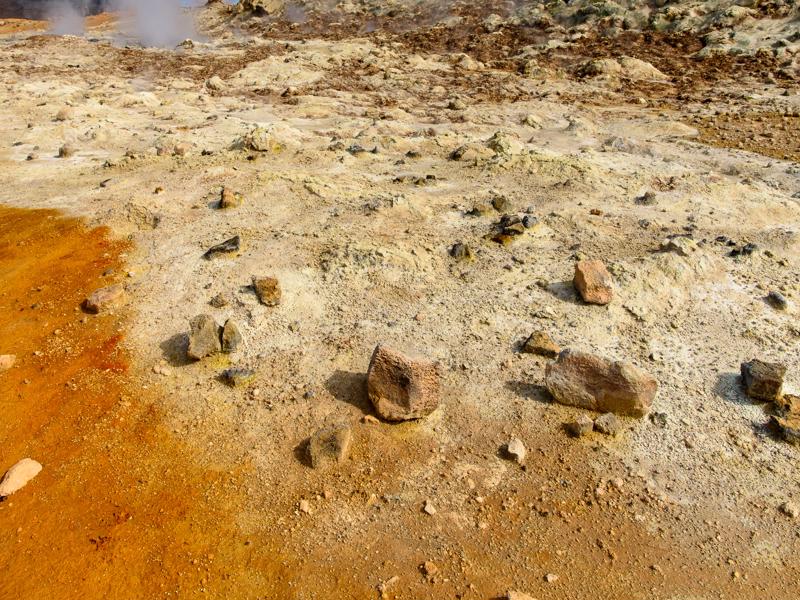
<point>354,205</point>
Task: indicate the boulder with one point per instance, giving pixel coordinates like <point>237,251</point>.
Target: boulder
<point>596,383</point>
<point>18,476</point>
<point>401,387</point>
<point>104,298</point>
<point>268,290</point>
<point>763,380</point>
<point>204,337</point>
<point>330,445</point>
<point>593,282</point>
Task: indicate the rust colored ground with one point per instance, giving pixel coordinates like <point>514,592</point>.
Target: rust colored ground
<point>121,509</point>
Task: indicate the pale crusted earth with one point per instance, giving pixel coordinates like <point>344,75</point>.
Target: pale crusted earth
<point>354,207</point>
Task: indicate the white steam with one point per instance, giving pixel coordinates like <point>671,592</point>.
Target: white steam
<point>64,17</point>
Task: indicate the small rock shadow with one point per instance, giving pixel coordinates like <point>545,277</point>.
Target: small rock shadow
<point>564,291</point>
<point>530,391</point>
<point>729,387</point>
<point>174,350</point>
<point>350,387</point>
<point>301,453</point>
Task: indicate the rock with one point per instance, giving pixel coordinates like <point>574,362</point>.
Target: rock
<point>238,376</point>
<point>778,301</point>
<point>401,387</point>
<point>680,245</point>
<point>230,199</point>
<point>763,380</point>
<point>659,419</point>
<point>7,361</point>
<point>533,121</point>
<point>261,140</point>
<point>461,251</point>
<point>305,507</point>
<point>231,336</point>
<point>580,427</point>
<point>456,104</point>
<point>551,578</point>
<point>429,568</point>
<point>504,145</point>
<point>608,424</point>
<point>516,450</point>
<point>64,114</point>
<point>480,210</point>
<point>514,595</point>
<point>540,343</point>
<point>204,337</point>
<point>330,445</point>
<point>501,204</point>
<point>66,151</point>
<point>18,476</point>
<point>104,298</point>
<point>595,383</point>
<point>787,418</point>
<point>219,301</point>
<point>268,290</point>
<point>226,247</point>
<point>647,199</point>
<point>215,83</point>
<point>593,282</point>
<point>429,508</point>
<point>790,509</point>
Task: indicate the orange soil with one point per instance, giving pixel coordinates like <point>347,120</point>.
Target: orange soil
<point>120,510</point>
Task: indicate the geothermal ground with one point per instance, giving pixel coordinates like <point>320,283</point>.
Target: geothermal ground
<point>427,180</point>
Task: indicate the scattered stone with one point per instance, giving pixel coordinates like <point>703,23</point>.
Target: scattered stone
<point>790,509</point>
<point>429,568</point>
<point>529,221</point>
<point>429,508</point>
<point>516,450</point>
<point>268,290</point>
<point>231,336</point>
<point>219,301</point>
<point>238,377</point>
<point>787,418</point>
<point>456,104</point>
<point>681,245</point>
<point>608,424</point>
<point>161,368</point>
<point>7,361</point>
<point>580,427</point>
<point>593,282</point>
<point>596,383</point>
<point>104,299</point>
<point>461,252</point>
<point>226,247</point>
<point>777,301</point>
<point>763,380</point>
<point>305,507</point>
<point>230,199</point>
<point>18,476</point>
<point>261,140</point>
<point>541,344</point>
<point>204,337</point>
<point>330,445</point>
<point>480,210</point>
<point>401,387</point>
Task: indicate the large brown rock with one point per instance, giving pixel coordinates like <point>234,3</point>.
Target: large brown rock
<point>593,282</point>
<point>589,381</point>
<point>763,380</point>
<point>401,387</point>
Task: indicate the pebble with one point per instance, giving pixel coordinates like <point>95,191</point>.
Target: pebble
<point>790,509</point>
<point>580,427</point>
<point>608,424</point>
<point>330,445</point>
<point>231,336</point>
<point>429,508</point>
<point>227,247</point>
<point>541,344</point>
<point>18,476</point>
<point>204,337</point>
<point>516,450</point>
<point>238,377</point>
<point>777,300</point>
<point>104,298</point>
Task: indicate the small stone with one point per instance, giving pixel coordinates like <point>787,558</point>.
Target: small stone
<point>215,83</point>
<point>231,337</point>
<point>104,298</point>
<point>593,282</point>
<point>429,568</point>
<point>18,476</point>
<point>778,301</point>
<point>501,204</point>
<point>790,509</point>
<point>429,508</point>
<point>763,380</point>
<point>787,419</point>
<point>659,419</point>
<point>551,578</point>
<point>647,199</point>
<point>330,445</point>
<point>204,337</point>
<point>230,199</point>
<point>461,252</point>
<point>226,247</point>
<point>305,507</point>
<point>514,595</point>
<point>64,114</point>
<point>7,361</point>
<point>480,210</point>
<point>580,427</point>
<point>456,104</point>
<point>268,290</point>
<point>238,377</point>
<point>516,450</point>
<point>66,151</point>
<point>596,383</point>
<point>608,424</point>
<point>680,245</point>
<point>401,387</point>
<point>370,419</point>
<point>219,301</point>
<point>541,344</point>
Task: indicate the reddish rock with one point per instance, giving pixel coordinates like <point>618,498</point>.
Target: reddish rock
<point>401,387</point>
<point>593,282</point>
<point>596,383</point>
<point>104,298</point>
<point>542,344</point>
